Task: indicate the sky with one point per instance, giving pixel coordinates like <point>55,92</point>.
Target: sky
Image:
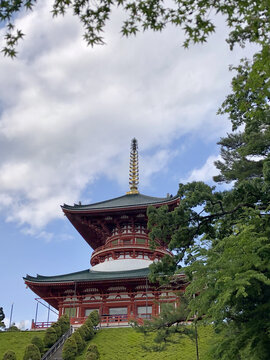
<point>67,115</point>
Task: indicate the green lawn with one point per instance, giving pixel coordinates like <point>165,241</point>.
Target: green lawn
<point>16,341</point>
<point>125,344</point>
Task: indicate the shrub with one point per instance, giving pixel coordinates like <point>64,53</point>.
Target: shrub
<point>92,348</point>
<point>57,329</point>
<point>13,328</point>
<point>39,343</point>
<point>83,332</point>
<point>9,355</point>
<point>50,337</point>
<point>89,332</point>
<point>94,316</point>
<point>79,341</point>
<point>64,323</point>
<point>91,356</point>
<point>69,349</point>
<point>89,323</point>
<point>31,353</point>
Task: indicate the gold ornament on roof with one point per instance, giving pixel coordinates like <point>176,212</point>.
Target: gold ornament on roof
<point>133,168</point>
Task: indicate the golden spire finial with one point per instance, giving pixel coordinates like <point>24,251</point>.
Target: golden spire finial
<point>133,168</point>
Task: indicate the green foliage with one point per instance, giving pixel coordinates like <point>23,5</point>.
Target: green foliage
<point>88,331</point>
<point>50,337</point>
<point>69,349</point>
<point>79,341</point>
<point>64,323</point>
<point>57,327</point>
<point>2,317</point>
<point>9,355</point>
<point>91,356</point>
<point>31,353</point>
<point>94,317</point>
<point>169,326</point>
<point>88,322</point>
<point>36,340</point>
<point>126,343</point>
<point>224,236</point>
<point>13,328</point>
<point>17,341</point>
<point>92,348</point>
<point>247,20</point>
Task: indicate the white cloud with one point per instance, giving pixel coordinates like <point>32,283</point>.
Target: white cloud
<point>205,173</point>
<point>67,112</point>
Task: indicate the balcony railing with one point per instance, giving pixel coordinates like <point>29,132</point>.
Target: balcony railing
<point>105,320</point>
<point>133,245</point>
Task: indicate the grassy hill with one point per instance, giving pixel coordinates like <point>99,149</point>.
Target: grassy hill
<point>125,343</point>
<point>16,341</point>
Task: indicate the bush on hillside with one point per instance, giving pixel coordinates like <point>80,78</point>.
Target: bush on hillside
<point>31,353</point>
<point>13,328</point>
<point>39,343</point>
<point>83,332</point>
<point>69,349</point>
<point>88,322</point>
<point>79,341</point>
<point>9,355</point>
<point>89,332</point>
<point>57,329</point>
<point>92,348</point>
<point>94,316</point>
<point>64,323</point>
<point>91,356</point>
<point>50,337</point>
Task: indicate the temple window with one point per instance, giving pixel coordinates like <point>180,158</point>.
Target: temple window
<point>71,312</point>
<point>144,312</point>
<point>88,311</point>
<point>118,311</point>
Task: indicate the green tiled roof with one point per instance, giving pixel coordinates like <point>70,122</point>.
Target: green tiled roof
<point>122,201</point>
<point>88,275</point>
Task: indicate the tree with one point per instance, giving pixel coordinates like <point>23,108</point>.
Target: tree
<point>13,327</point>
<point>2,317</point>
<point>79,341</point>
<point>50,337</point>
<point>169,326</point>
<point>247,20</point>
<point>9,355</point>
<point>69,349</point>
<point>39,343</point>
<point>64,323</point>
<point>31,353</point>
<point>57,327</point>
<point>224,236</point>
<point>94,317</point>
<point>92,352</point>
<point>88,331</point>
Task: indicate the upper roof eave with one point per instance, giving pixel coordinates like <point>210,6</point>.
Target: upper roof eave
<point>123,202</point>
<point>86,276</point>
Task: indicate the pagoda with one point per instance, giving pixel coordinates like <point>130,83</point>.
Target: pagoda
<point>117,282</point>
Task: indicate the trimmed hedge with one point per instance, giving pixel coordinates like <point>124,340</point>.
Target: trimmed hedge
<point>31,353</point>
<point>92,349</point>
<point>64,323</point>
<point>39,343</point>
<point>50,337</point>
<point>79,341</point>
<point>9,355</point>
<point>94,316</point>
<point>69,349</point>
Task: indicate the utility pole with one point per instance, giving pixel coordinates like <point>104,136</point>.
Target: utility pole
<point>11,313</point>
